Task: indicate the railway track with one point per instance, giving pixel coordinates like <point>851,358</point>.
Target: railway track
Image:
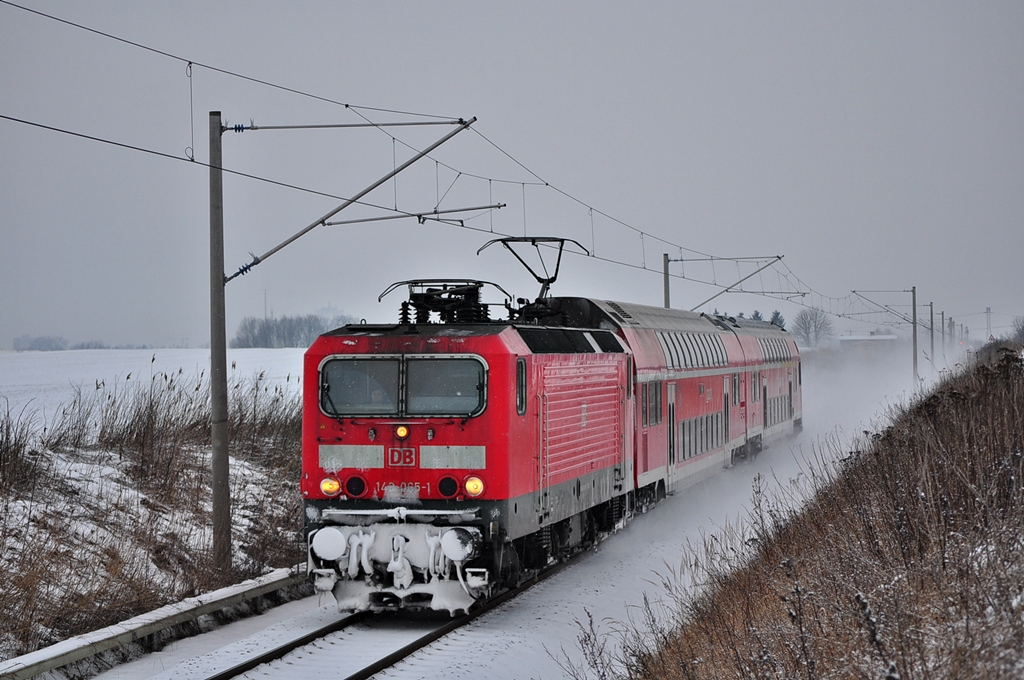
<point>363,623</point>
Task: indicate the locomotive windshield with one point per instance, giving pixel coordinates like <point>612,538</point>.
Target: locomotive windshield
<point>412,386</point>
<point>360,387</point>
<point>444,387</point>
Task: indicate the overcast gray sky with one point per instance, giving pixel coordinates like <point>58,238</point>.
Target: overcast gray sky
<point>875,145</point>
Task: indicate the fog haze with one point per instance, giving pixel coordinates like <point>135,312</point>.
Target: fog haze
<point>876,146</point>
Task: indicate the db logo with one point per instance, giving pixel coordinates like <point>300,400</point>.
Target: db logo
<point>398,457</point>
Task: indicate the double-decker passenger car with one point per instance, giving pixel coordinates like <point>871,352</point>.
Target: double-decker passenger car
<point>448,455</point>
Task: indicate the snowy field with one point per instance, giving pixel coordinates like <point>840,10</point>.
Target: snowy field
<point>518,639</point>
<point>42,381</point>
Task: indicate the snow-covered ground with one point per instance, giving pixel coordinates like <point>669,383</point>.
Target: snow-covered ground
<point>518,639</point>
<point>42,381</point>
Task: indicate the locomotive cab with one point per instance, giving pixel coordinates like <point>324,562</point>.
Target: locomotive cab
<point>396,473</point>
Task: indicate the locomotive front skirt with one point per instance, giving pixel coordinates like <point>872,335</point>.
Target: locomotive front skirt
<point>444,461</point>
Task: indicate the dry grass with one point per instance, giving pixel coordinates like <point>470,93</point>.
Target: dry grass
<point>907,562</point>
<point>106,507</point>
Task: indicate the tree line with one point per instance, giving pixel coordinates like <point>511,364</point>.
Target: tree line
<point>285,331</point>
<point>55,343</point>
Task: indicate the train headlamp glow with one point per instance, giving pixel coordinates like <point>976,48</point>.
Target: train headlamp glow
<point>330,486</point>
<point>474,486</point>
<point>402,431</point>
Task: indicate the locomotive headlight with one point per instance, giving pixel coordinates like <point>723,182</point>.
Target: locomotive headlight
<point>402,431</point>
<point>330,486</point>
<point>474,486</point>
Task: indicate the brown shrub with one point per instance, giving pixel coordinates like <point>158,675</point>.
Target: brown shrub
<point>113,518</point>
<point>908,562</point>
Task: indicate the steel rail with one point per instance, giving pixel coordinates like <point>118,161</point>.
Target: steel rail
<point>279,651</point>
<point>395,656</point>
<point>406,651</point>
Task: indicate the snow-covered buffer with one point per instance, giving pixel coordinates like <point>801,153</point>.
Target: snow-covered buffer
<point>385,563</point>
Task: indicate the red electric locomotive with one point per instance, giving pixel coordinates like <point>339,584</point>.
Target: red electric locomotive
<point>448,456</point>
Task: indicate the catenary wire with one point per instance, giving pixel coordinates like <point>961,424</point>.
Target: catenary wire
<point>456,223</point>
<point>354,108</point>
<point>357,109</point>
<point>162,154</point>
<point>315,192</point>
<point>215,69</point>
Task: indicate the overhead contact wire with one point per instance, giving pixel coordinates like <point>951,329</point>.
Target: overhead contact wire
<point>162,154</point>
<point>354,107</point>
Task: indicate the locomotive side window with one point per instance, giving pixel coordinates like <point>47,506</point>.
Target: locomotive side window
<point>643,403</point>
<point>521,386</point>
<point>359,387</point>
<point>629,377</point>
<point>607,341</point>
<point>556,341</point>
<point>444,387</point>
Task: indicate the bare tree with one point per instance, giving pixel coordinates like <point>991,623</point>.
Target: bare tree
<point>1018,329</point>
<point>285,331</point>
<point>812,326</point>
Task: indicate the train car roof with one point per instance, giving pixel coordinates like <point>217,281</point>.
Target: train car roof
<point>658,318</point>
<point>755,327</point>
<point>583,314</point>
<point>587,313</point>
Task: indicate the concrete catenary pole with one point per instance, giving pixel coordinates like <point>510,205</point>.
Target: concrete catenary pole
<point>218,361</point>
<point>931,331</point>
<point>913,303</point>
<point>665,263</point>
<point>942,330</point>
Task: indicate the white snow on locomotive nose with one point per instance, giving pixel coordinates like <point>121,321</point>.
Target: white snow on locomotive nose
<point>329,544</point>
<point>399,494</point>
<point>458,545</point>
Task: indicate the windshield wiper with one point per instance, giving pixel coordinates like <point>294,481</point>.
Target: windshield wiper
<point>325,389</point>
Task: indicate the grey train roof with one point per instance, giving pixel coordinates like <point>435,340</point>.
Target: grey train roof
<point>584,313</point>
